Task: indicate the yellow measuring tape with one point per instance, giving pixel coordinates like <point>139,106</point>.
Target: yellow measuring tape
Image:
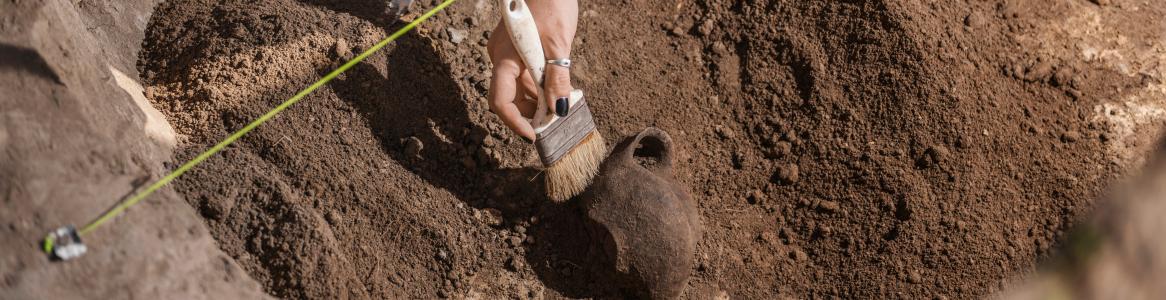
<point>48,242</point>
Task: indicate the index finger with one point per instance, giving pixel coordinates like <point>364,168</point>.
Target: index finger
<point>502,95</point>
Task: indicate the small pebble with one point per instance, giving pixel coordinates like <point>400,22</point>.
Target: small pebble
<point>755,197</point>
<point>788,174</point>
<point>514,263</point>
<point>456,36</point>
<point>782,149</point>
<point>334,218</point>
<point>1040,71</point>
<point>1071,136</point>
<point>492,217</point>
<point>341,49</point>
<point>707,27</point>
<point>975,20</point>
<point>677,30</point>
<point>825,230</point>
<point>724,132</point>
<point>798,255</point>
<point>914,277</point>
<point>413,146</point>
<point>828,206</point>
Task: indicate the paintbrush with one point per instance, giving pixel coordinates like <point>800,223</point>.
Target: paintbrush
<point>570,147</point>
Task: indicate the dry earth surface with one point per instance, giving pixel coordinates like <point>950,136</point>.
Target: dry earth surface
<point>858,149</point>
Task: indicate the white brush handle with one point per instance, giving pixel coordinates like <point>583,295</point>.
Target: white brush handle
<point>524,34</point>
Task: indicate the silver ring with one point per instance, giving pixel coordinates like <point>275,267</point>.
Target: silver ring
<point>562,62</point>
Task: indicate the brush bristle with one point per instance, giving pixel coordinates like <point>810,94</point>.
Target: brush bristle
<point>571,174</point>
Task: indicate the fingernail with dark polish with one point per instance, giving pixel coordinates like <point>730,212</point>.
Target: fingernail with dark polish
<point>561,107</point>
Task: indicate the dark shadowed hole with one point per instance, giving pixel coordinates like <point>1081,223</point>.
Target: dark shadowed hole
<point>649,152</point>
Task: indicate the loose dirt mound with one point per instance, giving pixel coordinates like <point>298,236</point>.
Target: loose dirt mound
<point>73,142</point>
<point>855,148</point>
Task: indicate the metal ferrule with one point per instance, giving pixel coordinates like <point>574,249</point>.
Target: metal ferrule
<point>561,136</point>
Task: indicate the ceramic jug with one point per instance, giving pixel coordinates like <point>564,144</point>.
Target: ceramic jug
<point>643,218</point>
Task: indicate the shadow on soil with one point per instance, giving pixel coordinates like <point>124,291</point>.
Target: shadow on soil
<point>421,119</point>
<point>373,11</point>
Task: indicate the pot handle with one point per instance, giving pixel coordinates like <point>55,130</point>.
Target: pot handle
<point>652,142</point>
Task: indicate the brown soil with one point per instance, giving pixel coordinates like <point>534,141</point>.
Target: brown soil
<point>72,144</point>
<point>859,149</point>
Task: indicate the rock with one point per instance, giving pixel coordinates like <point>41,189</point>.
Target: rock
<point>514,241</point>
<point>755,197</point>
<point>828,206</point>
<point>975,20</point>
<point>239,32</point>
<point>824,230</point>
<point>934,156</point>
<point>1017,71</point>
<point>413,147</point>
<point>489,142</point>
<point>492,217</point>
<point>334,218</point>
<point>442,255</point>
<point>340,49</point>
<point>1071,136</point>
<point>720,49</point>
<point>782,149</point>
<point>514,263</point>
<point>1063,77</point>
<point>1041,71</point>
<point>787,174</point>
<point>784,233</point>
<point>1076,94</point>
<point>914,277</point>
<point>724,132</point>
<point>707,27</point>
<point>798,255</point>
<point>482,86</point>
<point>676,29</point>
<point>456,36</point>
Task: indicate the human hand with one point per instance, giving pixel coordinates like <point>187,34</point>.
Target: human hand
<point>512,90</point>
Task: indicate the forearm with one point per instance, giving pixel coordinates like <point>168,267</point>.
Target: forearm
<point>560,19</point>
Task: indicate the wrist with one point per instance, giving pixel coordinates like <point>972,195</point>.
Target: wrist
<point>557,47</point>
<point>557,21</point>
